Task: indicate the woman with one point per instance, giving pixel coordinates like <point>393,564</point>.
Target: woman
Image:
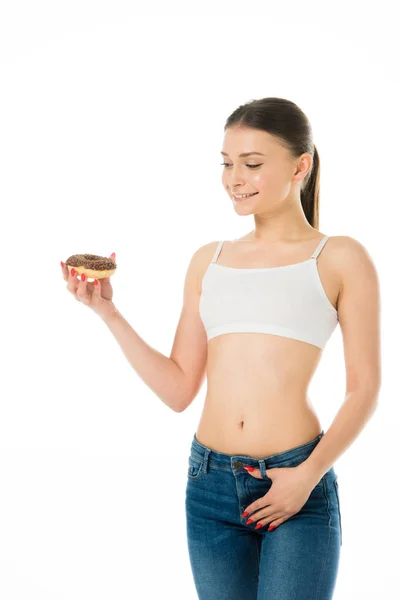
<point>262,501</point>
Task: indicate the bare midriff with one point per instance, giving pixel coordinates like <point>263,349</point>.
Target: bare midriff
<point>257,402</point>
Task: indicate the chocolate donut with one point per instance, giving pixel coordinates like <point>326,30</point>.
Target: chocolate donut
<point>92,265</point>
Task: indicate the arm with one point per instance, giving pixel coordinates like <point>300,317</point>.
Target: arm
<point>359,318</point>
<point>175,379</point>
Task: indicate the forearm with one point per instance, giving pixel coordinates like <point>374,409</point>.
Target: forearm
<point>159,372</point>
<point>357,409</point>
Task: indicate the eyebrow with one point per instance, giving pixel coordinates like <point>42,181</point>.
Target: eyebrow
<point>244,154</point>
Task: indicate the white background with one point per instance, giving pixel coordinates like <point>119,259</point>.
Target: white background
<point>111,127</point>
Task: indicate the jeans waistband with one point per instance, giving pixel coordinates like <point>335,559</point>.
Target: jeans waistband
<point>236,461</point>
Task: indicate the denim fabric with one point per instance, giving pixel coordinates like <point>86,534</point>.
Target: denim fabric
<point>231,560</point>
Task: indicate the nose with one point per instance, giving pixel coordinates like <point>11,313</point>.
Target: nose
<point>236,179</point>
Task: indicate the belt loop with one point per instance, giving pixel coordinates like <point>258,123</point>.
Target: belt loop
<point>261,463</point>
<point>204,466</point>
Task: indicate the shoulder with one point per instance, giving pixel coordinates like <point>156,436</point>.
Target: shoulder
<point>347,247</point>
<point>199,261</point>
<point>351,259</point>
<point>204,253</point>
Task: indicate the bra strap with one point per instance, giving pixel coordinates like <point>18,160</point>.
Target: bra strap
<point>320,246</point>
<point>217,251</point>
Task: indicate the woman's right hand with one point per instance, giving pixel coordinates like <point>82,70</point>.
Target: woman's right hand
<point>97,297</point>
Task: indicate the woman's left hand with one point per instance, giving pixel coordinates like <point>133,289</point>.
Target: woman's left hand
<point>290,490</point>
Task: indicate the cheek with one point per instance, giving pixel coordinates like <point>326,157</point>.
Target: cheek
<point>266,181</point>
<point>269,181</point>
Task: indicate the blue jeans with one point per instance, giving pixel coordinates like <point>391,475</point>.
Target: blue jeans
<point>231,560</point>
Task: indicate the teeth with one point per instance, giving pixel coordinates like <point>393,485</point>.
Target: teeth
<point>243,195</point>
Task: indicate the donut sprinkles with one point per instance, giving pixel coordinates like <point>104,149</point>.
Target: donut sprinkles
<point>92,265</point>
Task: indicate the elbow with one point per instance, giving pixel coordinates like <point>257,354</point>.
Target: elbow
<point>368,383</point>
<point>183,405</point>
<point>183,399</point>
<point>369,391</point>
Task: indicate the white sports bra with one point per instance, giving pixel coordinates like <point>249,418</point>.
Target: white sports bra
<point>288,301</point>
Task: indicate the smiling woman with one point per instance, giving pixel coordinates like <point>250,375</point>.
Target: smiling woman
<point>262,491</point>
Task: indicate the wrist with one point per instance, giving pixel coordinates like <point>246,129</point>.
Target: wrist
<point>310,473</point>
<point>109,315</point>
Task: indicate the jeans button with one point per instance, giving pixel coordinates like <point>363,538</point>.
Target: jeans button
<point>237,464</point>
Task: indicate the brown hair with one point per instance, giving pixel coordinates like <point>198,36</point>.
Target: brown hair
<point>285,120</point>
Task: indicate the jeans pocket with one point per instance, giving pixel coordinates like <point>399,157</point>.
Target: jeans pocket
<point>194,467</point>
<point>336,488</point>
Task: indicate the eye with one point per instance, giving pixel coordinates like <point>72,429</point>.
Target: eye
<point>250,166</point>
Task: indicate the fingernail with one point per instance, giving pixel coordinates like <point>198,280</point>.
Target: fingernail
<point>72,272</point>
<point>249,521</point>
<point>83,277</point>
<point>95,282</point>
<point>271,527</point>
<point>245,514</point>
<point>258,526</point>
<point>251,469</point>
<point>62,264</point>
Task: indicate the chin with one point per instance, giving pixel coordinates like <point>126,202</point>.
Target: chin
<point>241,210</point>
